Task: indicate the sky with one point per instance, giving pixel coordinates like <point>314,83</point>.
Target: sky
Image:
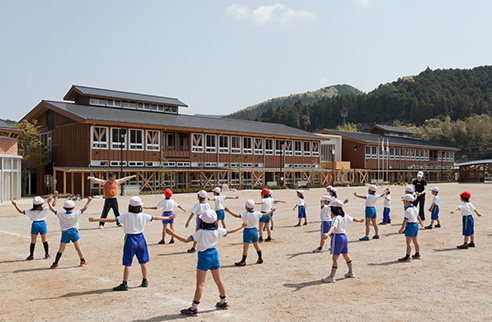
<point>221,56</point>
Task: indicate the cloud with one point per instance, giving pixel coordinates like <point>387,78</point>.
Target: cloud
<point>271,13</point>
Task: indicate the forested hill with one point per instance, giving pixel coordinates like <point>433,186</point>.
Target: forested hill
<point>251,112</point>
<point>457,93</point>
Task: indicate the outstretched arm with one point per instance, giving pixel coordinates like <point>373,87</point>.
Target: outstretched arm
<point>53,210</point>
<point>92,219</point>
<point>235,197</point>
<point>268,213</point>
<point>164,218</point>
<point>479,215</point>
<point>55,198</point>
<point>100,181</point>
<point>332,229</point>
<point>189,218</point>
<point>281,201</point>
<point>150,208</point>
<point>358,220</point>
<point>230,231</point>
<point>184,210</point>
<point>89,199</point>
<point>178,237</point>
<point>294,207</point>
<point>17,207</point>
<point>125,179</point>
<point>453,211</point>
<point>359,196</point>
<point>232,213</point>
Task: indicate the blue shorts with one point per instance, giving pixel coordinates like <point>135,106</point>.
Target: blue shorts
<point>411,229</point>
<point>70,235</point>
<point>301,212</point>
<point>208,259</point>
<point>198,221</point>
<point>250,235</point>
<point>325,227</point>
<point>435,212</point>
<point>38,227</point>
<point>135,245</point>
<point>265,219</point>
<point>167,214</point>
<point>339,244</point>
<point>468,226</point>
<point>220,214</point>
<point>371,212</point>
<point>386,214</point>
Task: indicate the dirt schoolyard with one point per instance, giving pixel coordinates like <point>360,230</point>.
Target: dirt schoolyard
<point>445,284</point>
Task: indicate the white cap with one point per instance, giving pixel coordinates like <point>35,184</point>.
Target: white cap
<point>135,202</point>
<point>209,216</point>
<point>329,187</point>
<point>270,191</point>
<point>250,204</point>
<point>388,189</point>
<point>300,192</point>
<point>68,204</point>
<point>420,174</point>
<point>326,198</point>
<point>436,189</point>
<point>337,203</point>
<point>216,190</point>
<point>37,200</point>
<point>408,198</point>
<point>409,189</point>
<point>202,194</point>
<point>334,190</point>
<point>372,188</point>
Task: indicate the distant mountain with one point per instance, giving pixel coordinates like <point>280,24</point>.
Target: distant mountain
<point>10,122</point>
<point>308,98</point>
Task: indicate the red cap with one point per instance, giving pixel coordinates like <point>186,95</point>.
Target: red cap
<point>265,191</point>
<point>466,195</point>
<point>168,193</point>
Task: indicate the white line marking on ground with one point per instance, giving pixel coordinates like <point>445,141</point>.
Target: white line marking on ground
<point>13,234</point>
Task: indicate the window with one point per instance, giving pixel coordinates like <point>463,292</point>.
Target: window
<point>307,149</point>
<point>171,109</point>
<point>247,149</point>
<point>136,140</point>
<point>223,144</point>
<point>129,105</point>
<point>170,141</point>
<point>118,136</point>
<point>45,139</point>
<point>392,153</point>
<point>279,145</point>
<point>315,149</point>
<point>288,148</point>
<point>153,142</point>
<point>99,137</point>
<point>183,142</point>
<point>210,143</point>
<point>114,103</point>
<point>97,101</point>
<point>297,148</point>
<point>235,144</point>
<point>197,143</point>
<point>374,153</point>
<point>269,146</point>
<point>157,108</point>
<point>368,152</point>
<point>143,106</point>
<point>258,146</point>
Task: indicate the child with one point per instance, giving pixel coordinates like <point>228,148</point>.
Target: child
<point>198,210</point>
<point>409,190</point>
<point>410,227</point>
<point>266,204</point>
<point>371,199</point>
<point>325,216</point>
<point>133,224</point>
<point>387,207</point>
<point>219,204</point>
<point>339,243</point>
<point>250,233</point>
<point>167,206</point>
<point>467,210</point>
<point>38,215</point>
<point>208,237</point>
<point>434,209</point>
<point>69,224</point>
<point>301,211</point>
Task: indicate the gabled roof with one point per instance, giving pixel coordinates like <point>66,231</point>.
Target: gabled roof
<point>5,127</point>
<point>76,90</point>
<point>393,129</point>
<point>370,138</point>
<point>89,113</point>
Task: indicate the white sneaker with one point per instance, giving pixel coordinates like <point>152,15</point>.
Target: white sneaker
<point>101,226</point>
<point>349,275</point>
<point>318,250</point>
<point>328,279</point>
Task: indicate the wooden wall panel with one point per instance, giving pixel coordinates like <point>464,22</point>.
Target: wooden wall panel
<point>71,145</point>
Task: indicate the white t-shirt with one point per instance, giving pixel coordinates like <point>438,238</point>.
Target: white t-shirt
<point>466,208</point>
<point>167,205</point>
<point>37,215</point>
<point>69,219</point>
<point>251,217</point>
<point>134,223</point>
<point>208,238</point>
<point>266,204</point>
<point>411,214</point>
<point>325,213</point>
<point>387,201</point>
<point>435,200</point>
<point>200,208</point>
<point>340,223</point>
<point>300,202</point>
<point>371,200</point>
<point>219,202</point>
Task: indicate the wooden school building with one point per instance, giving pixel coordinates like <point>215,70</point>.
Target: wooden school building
<point>95,131</point>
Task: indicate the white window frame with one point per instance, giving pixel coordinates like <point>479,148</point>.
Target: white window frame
<point>277,151</point>
<point>136,146</point>
<point>113,103</point>
<point>307,152</point>
<point>116,145</point>
<point>103,145</point>
<point>288,148</point>
<point>223,149</point>
<point>315,149</point>
<point>268,151</point>
<point>143,106</point>
<point>97,101</point>
<point>211,149</point>
<point>149,145</point>
<point>298,149</point>
<point>258,148</point>
<point>236,149</point>
<point>247,150</point>
<point>368,152</point>
<point>197,142</point>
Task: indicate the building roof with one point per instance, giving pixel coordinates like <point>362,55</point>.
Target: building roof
<point>476,162</point>
<point>100,92</point>
<point>393,129</point>
<point>4,126</point>
<point>402,141</point>
<point>89,113</point>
